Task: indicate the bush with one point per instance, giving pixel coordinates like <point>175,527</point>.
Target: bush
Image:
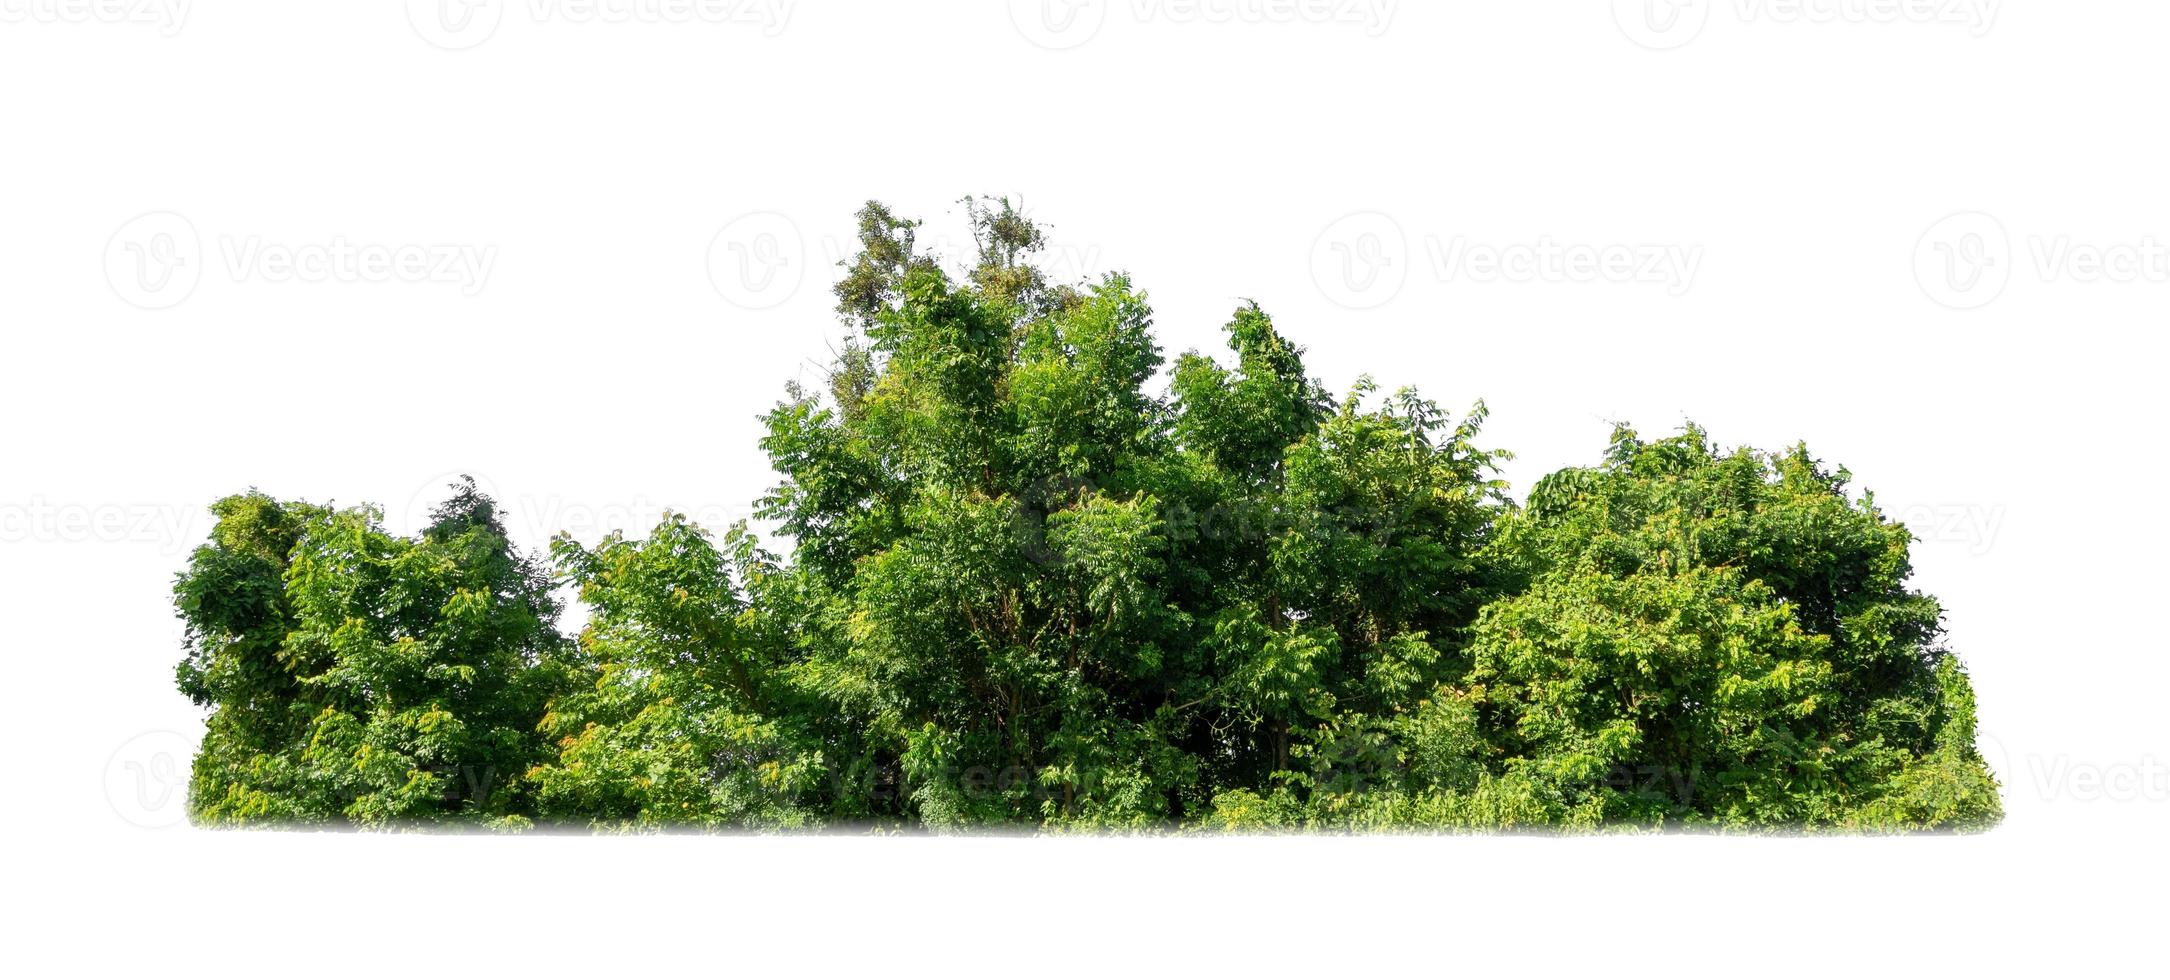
<point>1024,590</point>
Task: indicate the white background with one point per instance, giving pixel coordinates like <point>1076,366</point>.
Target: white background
<point>657,193</point>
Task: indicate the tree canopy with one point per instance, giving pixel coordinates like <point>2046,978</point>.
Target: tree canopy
<point>1037,576</point>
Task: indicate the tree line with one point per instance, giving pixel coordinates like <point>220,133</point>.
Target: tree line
<point>1023,589</point>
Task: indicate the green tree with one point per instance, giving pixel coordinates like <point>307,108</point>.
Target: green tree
<point>1038,576</point>
<point>359,676</point>
<point>683,712</point>
<point>1736,625</point>
<point>1045,593</point>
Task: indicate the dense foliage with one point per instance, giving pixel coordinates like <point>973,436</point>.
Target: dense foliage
<point>1025,590</point>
